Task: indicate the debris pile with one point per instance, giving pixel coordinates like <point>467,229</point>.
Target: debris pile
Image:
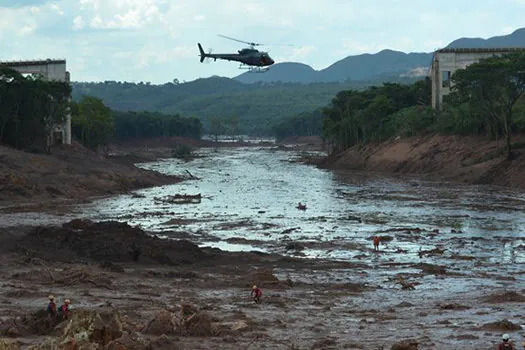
<point>105,242</point>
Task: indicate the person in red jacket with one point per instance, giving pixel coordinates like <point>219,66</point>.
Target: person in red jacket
<point>256,294</point>
<point>64,309</point>
<point>377,240</point>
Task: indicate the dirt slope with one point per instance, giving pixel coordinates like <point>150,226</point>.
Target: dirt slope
<point>473,160</point>
<point>70,172</point>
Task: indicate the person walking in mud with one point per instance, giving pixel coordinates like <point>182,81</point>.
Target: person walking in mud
<point>256,294</point>
<point>506,344</point>
<point>376,240</point>
<point>64,310</point>
<point>52,307</point>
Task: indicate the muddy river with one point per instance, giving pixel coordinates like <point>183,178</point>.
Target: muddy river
<point>475,234</point>
<point>458,244</point>
<point>249,199</point>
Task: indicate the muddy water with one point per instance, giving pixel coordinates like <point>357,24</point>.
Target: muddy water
<point>474,234</point>
<point>249,198</point>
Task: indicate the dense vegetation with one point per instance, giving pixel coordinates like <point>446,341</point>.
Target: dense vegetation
<point>487,99</point>
<point>258,106</point>
<point>30,108</point>
<point>487,95</point>
<point>130,125</point>
<point>377,113</point>
<point>303,124</point>
<point>95,124</point>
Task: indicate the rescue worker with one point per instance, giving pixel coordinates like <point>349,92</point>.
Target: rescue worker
<point>64,309</point>
<point>52,307</point>
<point>506,344</point>
<point>377,240</point>
<point>256,294</point>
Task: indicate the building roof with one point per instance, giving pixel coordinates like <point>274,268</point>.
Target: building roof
<point>33,62</point>
<point>485,49</point>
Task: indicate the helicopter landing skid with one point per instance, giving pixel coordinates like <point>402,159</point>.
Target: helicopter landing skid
<point>252,69</point>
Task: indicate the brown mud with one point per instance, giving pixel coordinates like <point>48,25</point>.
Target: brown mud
<point>130,290</point>
<point>70,174</point>
<point>467,159</point>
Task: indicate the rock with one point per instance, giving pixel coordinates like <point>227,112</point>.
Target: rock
<point>262,277</point>
<point>405,304</point>
<point>294,246</point>
<point>409,344</point>
<point>433,269</point>
<point>162,323</point>
<point>453,306</point>
<point>503,325</point>
<point>239,326</point>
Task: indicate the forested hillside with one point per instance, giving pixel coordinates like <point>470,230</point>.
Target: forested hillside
<point>258,106</point>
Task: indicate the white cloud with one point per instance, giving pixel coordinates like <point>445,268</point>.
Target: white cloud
<point>298,54</point>
<point>57,9</point>
<point>144,39</point>
<point>26,30</point>
<point>78,23</point>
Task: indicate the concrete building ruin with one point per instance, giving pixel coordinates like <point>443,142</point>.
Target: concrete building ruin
<point>51,70</point>
<point>447,61</point>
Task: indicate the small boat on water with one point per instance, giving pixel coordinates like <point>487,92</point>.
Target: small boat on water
<point>301,206</point>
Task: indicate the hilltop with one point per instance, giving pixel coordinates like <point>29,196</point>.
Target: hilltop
<point>384,64</point>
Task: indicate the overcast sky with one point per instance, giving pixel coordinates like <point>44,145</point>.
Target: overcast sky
<point>156,40</point>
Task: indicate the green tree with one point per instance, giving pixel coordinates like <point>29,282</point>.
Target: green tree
<point>494,85</point>
<point>93,123</point>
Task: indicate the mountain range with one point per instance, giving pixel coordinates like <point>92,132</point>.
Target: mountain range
<point>287,89</point>
<point>386,63</point>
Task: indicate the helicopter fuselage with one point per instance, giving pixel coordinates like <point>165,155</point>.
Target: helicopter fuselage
<point>249,57</point>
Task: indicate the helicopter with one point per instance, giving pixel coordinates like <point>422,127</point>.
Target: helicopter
<point>251,59</point>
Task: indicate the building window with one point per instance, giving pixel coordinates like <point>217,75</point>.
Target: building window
<point>445,78</point>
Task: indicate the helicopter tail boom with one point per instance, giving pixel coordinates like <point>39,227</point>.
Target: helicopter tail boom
<point>203,55</point>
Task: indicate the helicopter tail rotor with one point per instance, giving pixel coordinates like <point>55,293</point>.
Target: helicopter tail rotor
<point>202,54</point>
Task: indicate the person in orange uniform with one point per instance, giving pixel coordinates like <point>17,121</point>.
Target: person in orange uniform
<point>64,309</point>
<point>377,240</point>
<point>256,294</point>
<point>52,307</point>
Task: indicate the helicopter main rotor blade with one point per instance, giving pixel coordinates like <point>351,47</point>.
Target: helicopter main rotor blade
<point>241,41</point>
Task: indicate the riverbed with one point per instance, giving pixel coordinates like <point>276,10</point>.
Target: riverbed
<point>445,247</point>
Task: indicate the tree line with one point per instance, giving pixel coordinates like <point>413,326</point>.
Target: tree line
<point>32,109</point>
<point>487,98</point>
<point>96,125</point>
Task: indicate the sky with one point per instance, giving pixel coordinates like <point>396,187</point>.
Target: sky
<point>156,40</point>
